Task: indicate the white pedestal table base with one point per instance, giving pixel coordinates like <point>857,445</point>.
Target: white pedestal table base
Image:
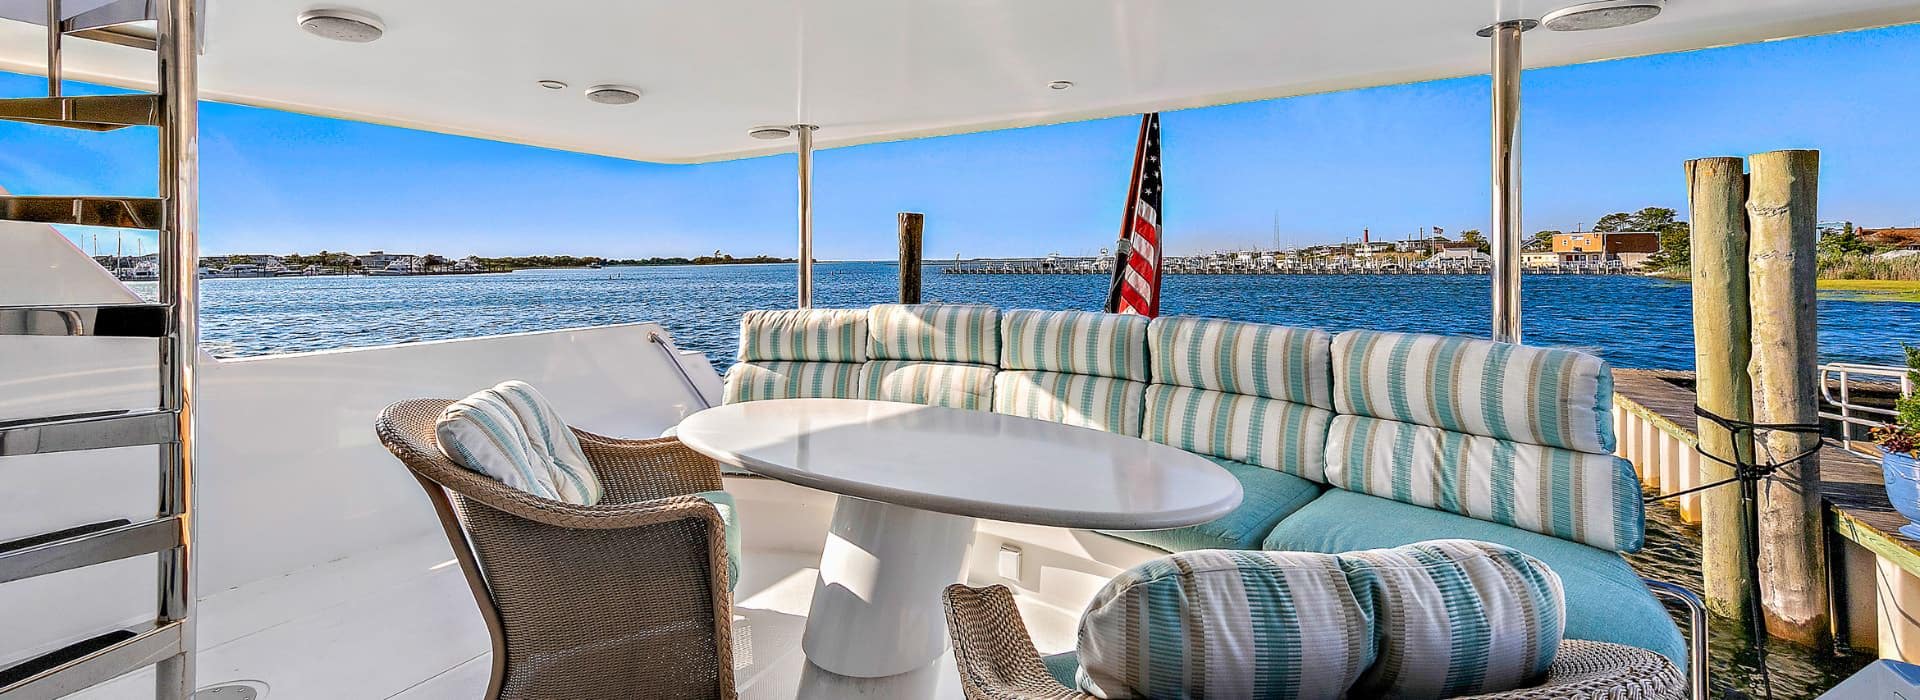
<point>877,604</point>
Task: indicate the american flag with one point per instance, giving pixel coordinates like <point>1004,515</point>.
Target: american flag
<point>1136,270</point>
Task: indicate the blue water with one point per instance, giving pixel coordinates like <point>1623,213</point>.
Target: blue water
<point>1631,321</point>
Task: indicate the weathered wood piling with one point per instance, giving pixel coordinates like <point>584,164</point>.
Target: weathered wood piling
<point>1782,211</point>
<point>912,225</point>
<point>1717,198</point>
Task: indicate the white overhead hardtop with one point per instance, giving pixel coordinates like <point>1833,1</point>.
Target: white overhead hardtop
<point>869,70</point>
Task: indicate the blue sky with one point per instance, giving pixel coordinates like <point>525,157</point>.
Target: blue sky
<point>1598,138</point>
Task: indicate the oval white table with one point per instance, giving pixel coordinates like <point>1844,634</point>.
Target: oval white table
<point>911,481</point>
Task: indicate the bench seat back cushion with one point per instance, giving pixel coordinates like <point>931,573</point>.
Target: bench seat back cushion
<point>1593,499</point>
<point>758,381</point>
<point>1606,601</point>
<point>798,354</point>
<point>1074,342</point>
<point>949,384</point>
<point>1251,359</point>
<point>1543,396</point>
<point>1088,401</point>
<point>1289,437</point>
<point>965,333</point>
<point>1227,624</point>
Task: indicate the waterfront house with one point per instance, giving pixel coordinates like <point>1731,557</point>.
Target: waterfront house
<point>1594,249</point>
<point>380,259</point>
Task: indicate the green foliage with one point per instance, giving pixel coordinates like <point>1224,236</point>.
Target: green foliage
<point>1903,434</point>
<point>1842,241</point>
<point>1474,236</point>
<point>1541,240</point>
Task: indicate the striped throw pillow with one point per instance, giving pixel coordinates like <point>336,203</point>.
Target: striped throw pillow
<point>1255,359</point>
<point>1543,396</point>
<point>1592,499</point>
<point>1074,342</point>
<point>511,433</point>
<point>967,333</point>
<point>1457,617</point>
<point>804,335</point>
<point>1227,624</point>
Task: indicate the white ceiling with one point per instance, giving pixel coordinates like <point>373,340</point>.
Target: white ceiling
<point>871,70</point>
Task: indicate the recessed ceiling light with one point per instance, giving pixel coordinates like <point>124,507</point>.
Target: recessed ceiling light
<point>553,85</point>
<point>613,94</point>
<point>1605,14</point>
<point>1060,84</point>
<point>770,133</point>
<point>353,26</point>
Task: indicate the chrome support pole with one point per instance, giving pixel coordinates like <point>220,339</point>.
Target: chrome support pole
<point>54,35</point>
<point>179,190</point>
<point>1506,178</point>
<point>804,132</point>
<point>1697,656</point>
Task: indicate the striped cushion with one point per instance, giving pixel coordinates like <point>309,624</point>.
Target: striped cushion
<point>1273,434</point>
<point>1101,403</point>
<point>1457,617</point>
<point>511,433</point>
<point>1227,624</point>
<point>807,335</point>
<point>1077,342</point>
<point>757,381</point>
<point>1587,498</point>
<point>948,384</point>
<point>1256,359</point>
<point>1542,396</point>
<point>934,332</point>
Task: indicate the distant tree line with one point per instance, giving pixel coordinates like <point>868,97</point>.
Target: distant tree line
<point>350,261</point>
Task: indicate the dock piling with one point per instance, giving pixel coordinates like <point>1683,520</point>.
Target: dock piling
<point>912,225</point>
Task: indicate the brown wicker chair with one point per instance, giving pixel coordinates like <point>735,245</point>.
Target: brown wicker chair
<point>997,660</point>
<point>626,598</point>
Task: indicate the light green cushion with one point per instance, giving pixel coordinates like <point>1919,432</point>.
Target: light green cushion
<point>1543,396</point>
<point>1074,342</point>
<point>759,381</point>
<point>1267,496</point>
<point>1588,498</point>
<point>804,335</point>
<point>1255,359</point>
<point>1275,434</point>
<point>949,384</point>
<point>1101,403</point>
<point>1606,601</point>
<point>723,502</point>
<point>967,333</point>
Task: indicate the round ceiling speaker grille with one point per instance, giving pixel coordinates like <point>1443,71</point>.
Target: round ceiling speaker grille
<point>1605,14</point>
<point>352,26</point>
<point>613,94</point>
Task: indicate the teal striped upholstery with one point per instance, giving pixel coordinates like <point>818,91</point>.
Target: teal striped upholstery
<point>1227,624</point>
<point>804,335</point>
<point>511,433</point>
<point>1101,403</point>
<point>757,381</point>
<point>1279,435</point>
<point>1074,342</point>
<point>934,333</point>
<point>1255,359</point>
<point>1268,496</point>
<point>1589,498</point>
<point>1526,394</point>
<point>1457,617</point>
<point>948,384</point>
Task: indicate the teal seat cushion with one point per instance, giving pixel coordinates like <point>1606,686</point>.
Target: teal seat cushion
<point>723,502</point>
<point>1268,496</point>
<point>1606,601</point>
<point>1063,667</point>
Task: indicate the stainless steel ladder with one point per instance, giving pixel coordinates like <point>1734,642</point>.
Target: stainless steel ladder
<point>168,643</point>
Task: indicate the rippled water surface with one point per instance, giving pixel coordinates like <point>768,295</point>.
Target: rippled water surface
<point>1632,321</point>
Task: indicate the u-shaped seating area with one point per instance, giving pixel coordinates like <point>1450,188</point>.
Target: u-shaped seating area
<point>1341,442</point>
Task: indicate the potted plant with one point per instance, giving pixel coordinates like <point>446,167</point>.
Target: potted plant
<point>1900,451</point>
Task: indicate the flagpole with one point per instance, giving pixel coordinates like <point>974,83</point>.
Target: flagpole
<point>1123,247</point>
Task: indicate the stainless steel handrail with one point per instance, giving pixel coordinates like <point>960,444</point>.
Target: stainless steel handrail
<point>673,356</point>
<point>1696,632</point>
<point>1846,411</point>
<point>119,320</point>
<point>162,641</point>
<point>87,549</point>
<point>97,431</point>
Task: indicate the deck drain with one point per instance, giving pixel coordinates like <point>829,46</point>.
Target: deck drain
<point>233,690</point>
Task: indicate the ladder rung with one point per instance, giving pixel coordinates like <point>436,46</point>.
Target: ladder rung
<point>114,212</point>
<point>103,320</point>
<point>139,651</point>
<point>89,112</point>
<point>94,431</point>
<point>96,544</point>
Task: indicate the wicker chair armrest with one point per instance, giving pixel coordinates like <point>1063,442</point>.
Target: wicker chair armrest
<point>649,469</point>
<point>1585,670</point>
<point>994,653</point>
